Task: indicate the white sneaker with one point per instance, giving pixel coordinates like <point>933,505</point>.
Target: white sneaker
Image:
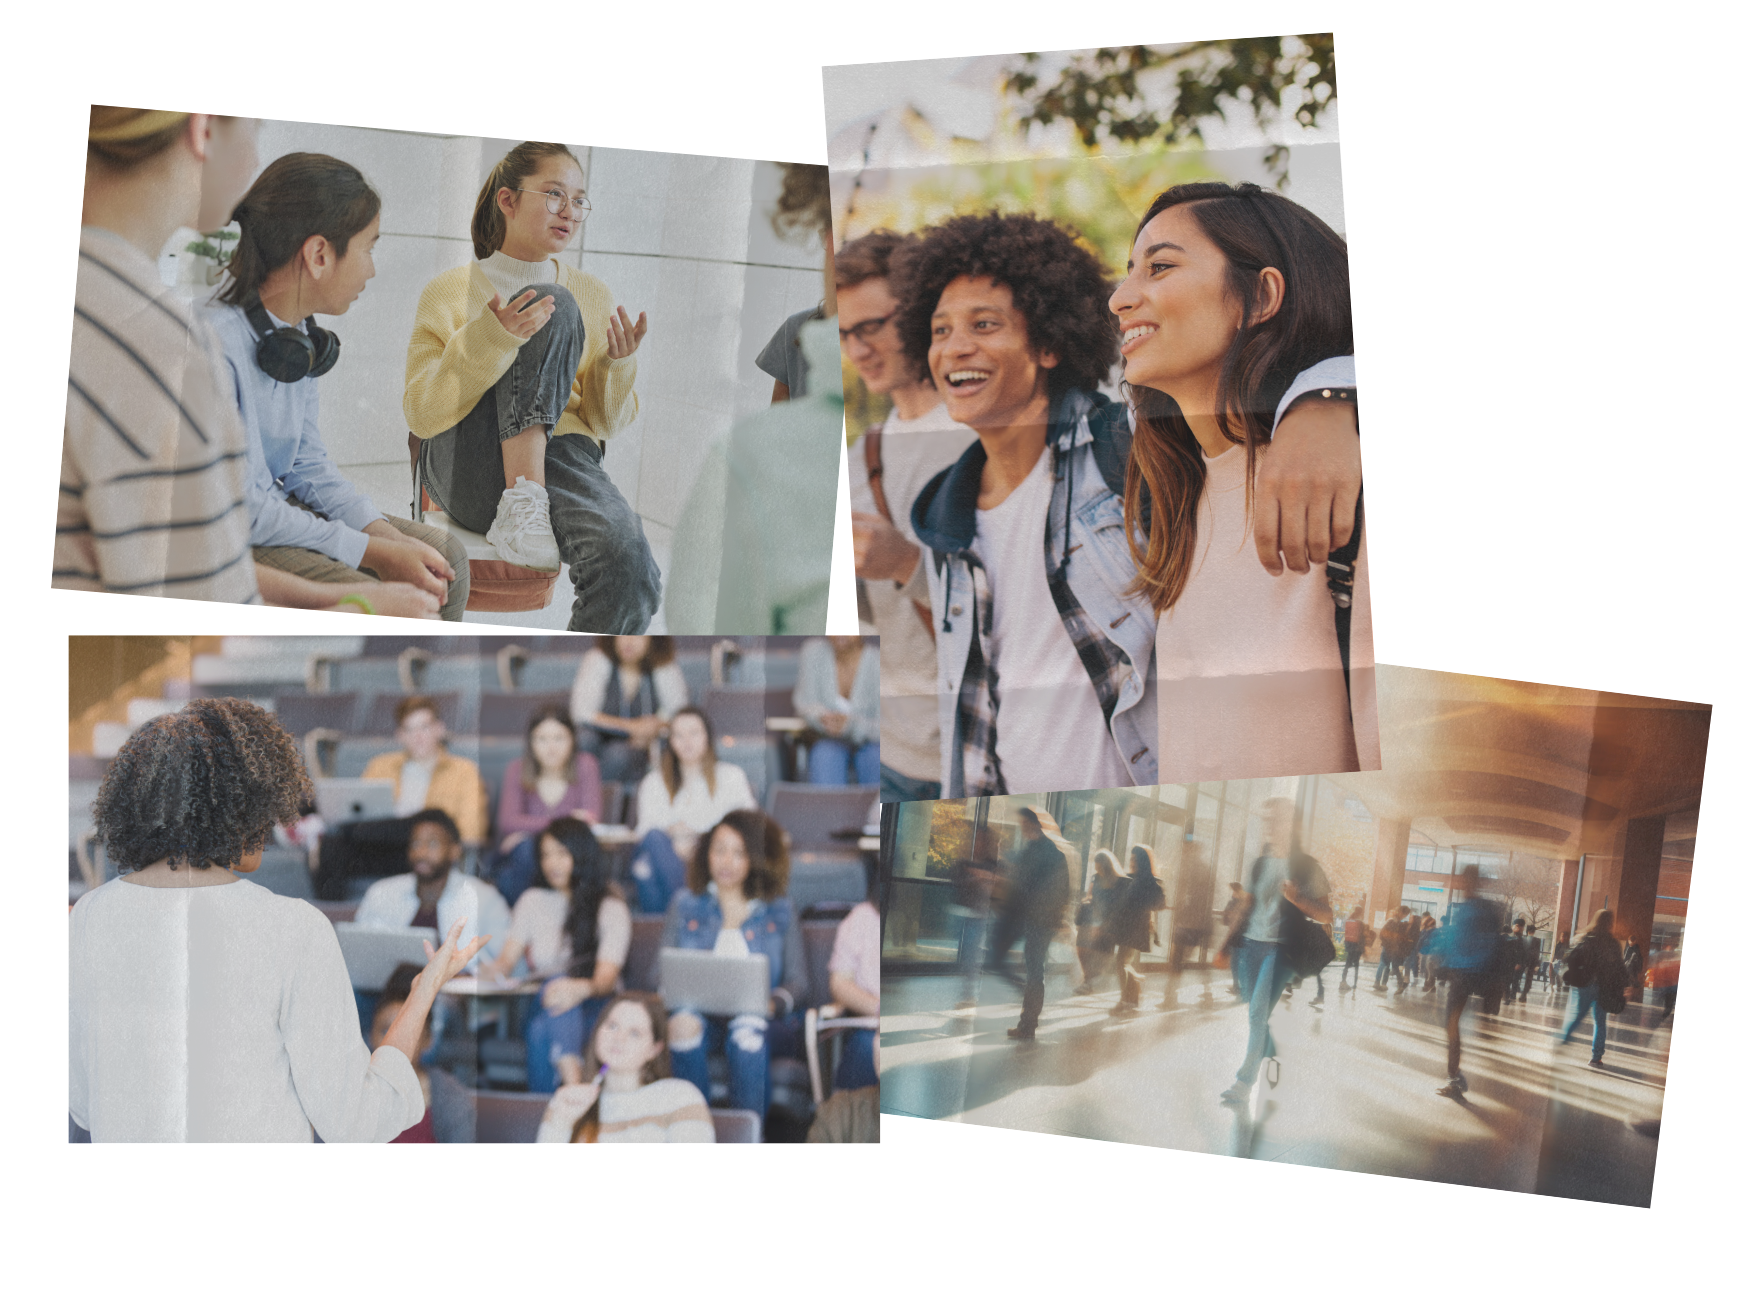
<point>522,531</point>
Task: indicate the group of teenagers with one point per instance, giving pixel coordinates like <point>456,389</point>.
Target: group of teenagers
<point>1080,592</point>
<point>194,463</point>
<point>205,1007</point>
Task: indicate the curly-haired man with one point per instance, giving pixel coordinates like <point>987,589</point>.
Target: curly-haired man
<point>1046,677</point>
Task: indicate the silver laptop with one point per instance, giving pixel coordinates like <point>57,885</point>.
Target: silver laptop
<point>340,801</point>
<point>372,952</point>
<point>711,983</point>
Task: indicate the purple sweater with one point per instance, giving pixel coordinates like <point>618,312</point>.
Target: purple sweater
<point>522,812</point>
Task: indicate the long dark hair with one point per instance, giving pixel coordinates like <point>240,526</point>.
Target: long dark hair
<point>297,196</point>
<point>589,883</point>
<point>515,168</point>
<point>530,766</point>
<point>1254,229</point>
<point>656,1068</point>
<point>660,652</point>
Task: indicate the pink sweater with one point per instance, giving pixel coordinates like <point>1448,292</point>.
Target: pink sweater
<point>522,812</point>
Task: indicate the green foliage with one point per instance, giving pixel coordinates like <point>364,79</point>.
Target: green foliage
<point>215,246</point>
<point>1103,93</point>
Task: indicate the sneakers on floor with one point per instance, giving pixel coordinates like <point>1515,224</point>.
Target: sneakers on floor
<point>1018,1032</point>
<point>522,531</point>
<point>1455,1089</point>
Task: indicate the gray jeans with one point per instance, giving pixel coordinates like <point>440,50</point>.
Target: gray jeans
<point>601,539</point>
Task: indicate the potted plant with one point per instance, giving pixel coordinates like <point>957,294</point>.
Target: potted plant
<point>211,253</point>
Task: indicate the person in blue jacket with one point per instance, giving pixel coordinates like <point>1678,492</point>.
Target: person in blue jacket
<point>734,903</point>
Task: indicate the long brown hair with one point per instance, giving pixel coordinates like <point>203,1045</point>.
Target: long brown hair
<point>1601,925</point>
<point>530,764</point>
<point>660,652</point>
<point>656,1068</point>
<point>297,196</point>
<point>1254,229</point>
<point>515,168</point>
<point>766,852</point>
<point>670,759</point>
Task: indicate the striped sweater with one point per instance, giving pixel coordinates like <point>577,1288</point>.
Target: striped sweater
<point>459,350</point>
<point>153,453</point>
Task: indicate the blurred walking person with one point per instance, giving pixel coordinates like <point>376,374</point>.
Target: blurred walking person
<point>1664,980</point>
<point>1129,929</point>
<point>1093,915</point>
<point>1191,919</point>
<point>974,879</point>
<point>1235,913</point>
<point>1465,947</point>
<point>1595,973</point>
<point>1357,938</point>
<point>1036,901</point>
<point>1289,890</point>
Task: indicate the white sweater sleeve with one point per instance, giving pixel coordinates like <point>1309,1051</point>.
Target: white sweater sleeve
<point>348,1094</point>
<point>588,693</point>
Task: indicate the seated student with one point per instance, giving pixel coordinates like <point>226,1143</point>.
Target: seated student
<point>685,794</point>
<point>620,717</point>
<point>517,373</point>
<point>433,894</point>
<point>626,1093</point>
<point>425,774</point>
<point>388,1006</point>
<point>152,476</point>
<point>854,972</point>
<point>309,228</point>
<point>549,780</point>
<point>837,694</point>
<point>573,927</point>
<point>202,1007</point>
<point>803,208</point>
<point>734,904</point>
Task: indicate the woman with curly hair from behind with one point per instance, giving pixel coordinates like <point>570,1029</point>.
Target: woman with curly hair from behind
<point>202,1006</point>
<point>1045,656</point>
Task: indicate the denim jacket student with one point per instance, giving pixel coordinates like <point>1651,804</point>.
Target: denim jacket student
<point>1112,630</point>
<point>771,928</point>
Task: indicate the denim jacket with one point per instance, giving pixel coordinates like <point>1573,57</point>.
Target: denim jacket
<point>771,928</point>
<point>1088,440</point>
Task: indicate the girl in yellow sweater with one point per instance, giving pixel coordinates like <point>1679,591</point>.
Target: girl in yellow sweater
<point>517,372</point>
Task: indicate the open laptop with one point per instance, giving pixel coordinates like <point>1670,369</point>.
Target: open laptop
<point>372,952</point>
<point>340,801</point>
<point>714,984</point>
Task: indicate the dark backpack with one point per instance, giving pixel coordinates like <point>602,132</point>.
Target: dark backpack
<point>1579,966</point>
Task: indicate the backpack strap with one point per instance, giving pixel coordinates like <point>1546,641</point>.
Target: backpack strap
<point>1342,572</point>
<point>872,443</point>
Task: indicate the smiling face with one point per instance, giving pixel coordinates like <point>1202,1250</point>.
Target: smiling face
<point>430,852</point>
<point>689,739</point>
<point>876,354</point>
<point>625,1038</point>
<point>981,358</point>
<point>556,863</point>
<point>729,863</point>
<point>532,232</point>
<point>1177,316</point>
<point>345,278</point>
<point>552,745</point>
<point>631,648</point>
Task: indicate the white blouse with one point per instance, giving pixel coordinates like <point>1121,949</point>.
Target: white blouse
<point>222,1013</point>
<point>694,805</point>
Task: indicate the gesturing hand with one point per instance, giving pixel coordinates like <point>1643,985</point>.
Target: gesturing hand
<point>624,337</point>
<point>1306,486</point>
<point>445,963</point>
<point>523,316</point>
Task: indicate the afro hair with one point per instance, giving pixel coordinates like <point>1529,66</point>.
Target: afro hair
<point>1057,285</point>
<point>200,787</point>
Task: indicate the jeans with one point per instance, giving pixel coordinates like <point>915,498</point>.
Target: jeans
<point>1585,999</point>
<point>1384,968</point>
<point>896,787</point>
<point>1354,963</point>
<point>1261,977</point>
<point>513,871</point>
<point>549,1038</point>
<point>745,1042</point>
<point>659,871</point>
<point>1037,940</point>
<point>828,761</point>
<point>856,1070</point>
<point>601,539</point>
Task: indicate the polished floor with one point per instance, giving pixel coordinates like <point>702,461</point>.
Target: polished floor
<point>1356,1088</point>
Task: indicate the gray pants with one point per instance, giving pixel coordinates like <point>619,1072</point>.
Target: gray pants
<point>601,539</point>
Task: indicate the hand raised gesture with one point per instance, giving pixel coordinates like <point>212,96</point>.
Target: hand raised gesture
<point>446,962</point>
<point>624,337</point>
<point>524,316</point>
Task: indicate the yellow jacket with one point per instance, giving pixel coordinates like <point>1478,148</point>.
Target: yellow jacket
<point>459,350</point>
<point>455,787</point>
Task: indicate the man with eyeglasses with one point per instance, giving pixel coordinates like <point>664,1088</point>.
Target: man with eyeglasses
<point>890,464</point>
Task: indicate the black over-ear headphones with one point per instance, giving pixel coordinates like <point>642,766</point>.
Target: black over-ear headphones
<point>290,354</point>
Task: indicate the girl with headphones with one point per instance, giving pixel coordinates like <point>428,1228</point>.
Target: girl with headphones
<point>309,226</point>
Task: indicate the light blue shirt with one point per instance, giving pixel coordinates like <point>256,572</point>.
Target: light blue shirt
<point>815,689</point>
<point>392,902</point>
<point>286,455</point>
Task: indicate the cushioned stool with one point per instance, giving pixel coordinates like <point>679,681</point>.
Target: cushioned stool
<point>497,585</point>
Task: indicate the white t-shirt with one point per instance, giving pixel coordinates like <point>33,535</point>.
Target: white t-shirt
<point>912,451</point>
<point>694,806</point>
<point>1050,732</point>
<point>222,1013</point>
<point>1249,679</point>
<point>415,779</point>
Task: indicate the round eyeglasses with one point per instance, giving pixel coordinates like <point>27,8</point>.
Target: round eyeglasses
<point>557,200</point>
